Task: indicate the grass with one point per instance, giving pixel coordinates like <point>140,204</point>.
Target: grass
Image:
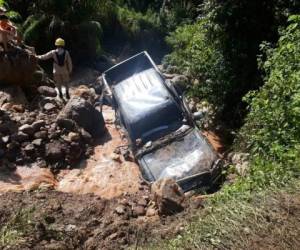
<point>258,220</point>
<point>13,230</point>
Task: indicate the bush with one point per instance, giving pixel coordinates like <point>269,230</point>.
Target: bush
<point>272,126</point>
<point>78,22</point>
<point>199,56</point>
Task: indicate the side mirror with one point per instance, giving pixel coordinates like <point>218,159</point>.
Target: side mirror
<point>198,115</point>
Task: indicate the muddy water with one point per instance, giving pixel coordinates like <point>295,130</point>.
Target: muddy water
<point>104,174</point>
<point>24,178</point>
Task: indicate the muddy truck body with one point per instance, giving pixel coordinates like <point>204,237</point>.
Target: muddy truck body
<point>162,131</point>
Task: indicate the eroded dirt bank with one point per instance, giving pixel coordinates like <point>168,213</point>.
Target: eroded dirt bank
<point>55,220</point>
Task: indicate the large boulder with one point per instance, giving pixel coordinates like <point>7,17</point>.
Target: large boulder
<point>12,95</point>
<point>168,196</point>
<point>17,66</point>
<point>83,114</point>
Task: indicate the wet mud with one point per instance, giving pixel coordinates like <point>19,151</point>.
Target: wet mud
<point>105,173</point>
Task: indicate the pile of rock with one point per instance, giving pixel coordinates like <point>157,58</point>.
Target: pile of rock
<point>17,66</point>
<point>51,135</point>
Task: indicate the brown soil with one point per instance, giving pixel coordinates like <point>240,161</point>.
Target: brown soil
<point>56,220</point>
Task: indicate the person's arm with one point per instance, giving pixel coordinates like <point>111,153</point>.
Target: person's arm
<point>46,56</point>
<point>69,63</point>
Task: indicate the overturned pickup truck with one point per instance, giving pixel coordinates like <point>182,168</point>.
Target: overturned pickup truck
<point>161,129</point>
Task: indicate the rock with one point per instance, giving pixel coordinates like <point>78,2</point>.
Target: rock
<point>86,136</point>
<point>143,202</point>
<point>5,139</point>
<point>55,135</point>
<point>138,211</point>
<point>73,137</point>
<point>37,142</point>
<point>7,106</point>
<point>49,107</point>
<point>41,135</point>
<point>120,210</point>
<point>240,161</point>
<point>12,95</point>
<point>238,157</point>
<point>83,113</point>
<point>47,91</point>
<point>116,157</point>
<point>74,153</point>
<point>113,236</point>
<point>18,108</point>
<point>21,71</point>
<point>28,120</point>
<point>70,228</point>
<point>54,151</point>
<point>13,145</point>
<point>86,93</point>
<point>29,149</point>
<point>20,137</point>
<point>168,196</point>
<point>38,124</point>
<point>180,82</point>
<point>27,129</point>
<point>151,212</point>
<point>66,123</point>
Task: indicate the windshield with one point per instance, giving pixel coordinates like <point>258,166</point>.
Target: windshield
<point>188,156</point>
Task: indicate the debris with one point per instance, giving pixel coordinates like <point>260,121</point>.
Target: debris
<point>5,139</point>
<point>37,142</point>
<point>49,107</point>
<point>168,196</point>
<point>138,211</point>
<point>120,210</point>
<point>240,161</point>
<point>73,137</point>
<point>21,71</point>
<point>83,113</point>
<point>54,151</point>
<point>27,129</point>
<point>29,149</point>
<point>20,137</point>
<point>47,91</point>
<point>38,124</point>
<point>41,135</point>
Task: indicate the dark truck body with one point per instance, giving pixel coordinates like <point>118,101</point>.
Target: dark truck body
<point>164,137</point>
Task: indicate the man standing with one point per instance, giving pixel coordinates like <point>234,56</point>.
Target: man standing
<point>62,66</point>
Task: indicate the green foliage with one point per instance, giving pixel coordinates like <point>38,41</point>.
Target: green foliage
<point>235,222</point>
<point>2,3</point>
<point>233,31</point>
<point>14,16</point>
<point>76,21</point>
<point>272,126</point>
<point>35,27</point>
<point>199,56</point>
<point>134,23</point>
